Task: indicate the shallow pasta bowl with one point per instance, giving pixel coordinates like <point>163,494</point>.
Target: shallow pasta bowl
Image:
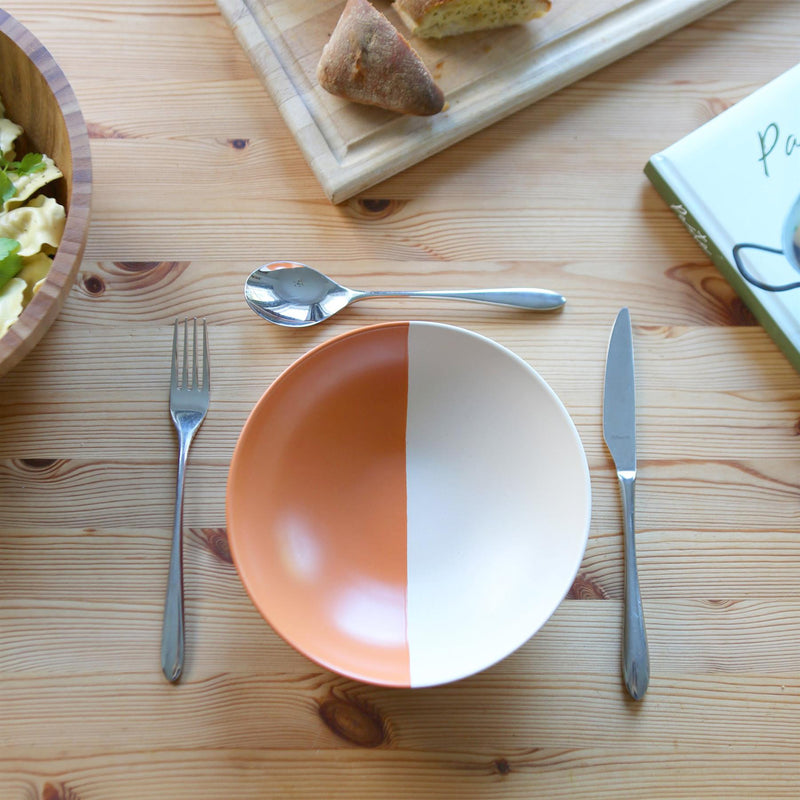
<point>38,97</point>
<point>408,503</point>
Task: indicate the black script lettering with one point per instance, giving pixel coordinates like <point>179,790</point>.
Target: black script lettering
<point>773,131</point>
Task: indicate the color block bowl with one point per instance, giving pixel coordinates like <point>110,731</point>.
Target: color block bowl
<point>408,504</point>
<point>37,96</point>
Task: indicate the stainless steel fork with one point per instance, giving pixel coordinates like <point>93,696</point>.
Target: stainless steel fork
<point>188,404</point>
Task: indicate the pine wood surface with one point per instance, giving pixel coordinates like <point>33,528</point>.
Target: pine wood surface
<point>197,180</point>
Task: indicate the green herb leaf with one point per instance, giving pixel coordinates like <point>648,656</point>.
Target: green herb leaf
<point>7,189</point>
<point>31,162</point>
<point>8,247</point>
<point>10,261</point>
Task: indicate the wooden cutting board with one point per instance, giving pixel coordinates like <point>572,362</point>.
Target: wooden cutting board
<point>485,76</point>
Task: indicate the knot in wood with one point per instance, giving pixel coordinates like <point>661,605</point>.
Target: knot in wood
<point>62,792</point>
<point>94,284</point>
<point>374,209</point>
<point>216,542</point>
<point>37,464</point>
<point>586,588</point>
<point>501,766</point>
<point>137,266</point>
<point>354,722</point>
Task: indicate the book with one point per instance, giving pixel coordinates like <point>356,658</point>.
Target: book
<point>735,185</point>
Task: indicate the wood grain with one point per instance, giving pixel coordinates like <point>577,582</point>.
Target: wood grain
<point>592,773</point>
<point>197,180</point>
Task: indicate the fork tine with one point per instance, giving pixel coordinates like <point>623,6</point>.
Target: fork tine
<point>206,365</point>
<point>174,370</point>
<point>194,353</point>
<point>185,373</point>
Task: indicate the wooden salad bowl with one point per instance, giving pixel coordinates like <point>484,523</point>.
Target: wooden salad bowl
<point>38,97</point>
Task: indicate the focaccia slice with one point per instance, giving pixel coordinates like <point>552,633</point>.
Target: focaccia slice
<point>438,18</point>
<point>368,61</point>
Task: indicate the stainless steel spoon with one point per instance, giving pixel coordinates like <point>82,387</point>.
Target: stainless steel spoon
<point>294,295</point>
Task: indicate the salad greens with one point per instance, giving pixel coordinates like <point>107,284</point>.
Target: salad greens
<point>30,163</point>
<point>31,224</point>
<point>10,261</point>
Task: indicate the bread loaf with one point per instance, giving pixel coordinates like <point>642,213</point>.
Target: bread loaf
<point>438,18</point>
<point>367,60</point>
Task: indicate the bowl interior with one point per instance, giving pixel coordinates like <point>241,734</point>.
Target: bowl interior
<point>37,96</point>
<point>30,102</point>
<point>408,504</point>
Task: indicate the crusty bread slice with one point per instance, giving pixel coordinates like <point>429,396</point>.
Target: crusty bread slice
<point>367,60</point>
<point>437,18</point>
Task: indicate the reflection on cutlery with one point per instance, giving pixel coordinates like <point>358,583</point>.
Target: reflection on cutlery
<point>296,296</point>
<point>188,404</point>
<point>619,431</point>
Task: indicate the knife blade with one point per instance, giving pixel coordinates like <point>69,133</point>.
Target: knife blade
<point>619,432</point>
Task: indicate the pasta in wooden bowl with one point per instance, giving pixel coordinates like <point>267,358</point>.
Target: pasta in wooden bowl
<point>45,190</point>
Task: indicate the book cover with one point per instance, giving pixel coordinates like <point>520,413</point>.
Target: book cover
<point>735,185</point>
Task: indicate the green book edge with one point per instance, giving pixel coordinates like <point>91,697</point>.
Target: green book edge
<point>724,264</point>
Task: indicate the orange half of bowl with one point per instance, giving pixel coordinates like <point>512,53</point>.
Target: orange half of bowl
<point>408,503</point>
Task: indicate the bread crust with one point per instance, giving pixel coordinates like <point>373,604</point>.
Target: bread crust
<point>439,18</point>
<point>367,60</point>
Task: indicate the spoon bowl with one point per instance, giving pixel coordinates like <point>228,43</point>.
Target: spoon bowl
<point>296,296</point>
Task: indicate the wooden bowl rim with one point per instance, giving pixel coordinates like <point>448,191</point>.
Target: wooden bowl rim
<point>39,314</point>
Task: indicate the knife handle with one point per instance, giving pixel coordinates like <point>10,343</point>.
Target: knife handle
<point>635,657</point>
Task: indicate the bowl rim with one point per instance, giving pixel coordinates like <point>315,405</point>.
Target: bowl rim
<point>39,314</point>
<point>235,463</point>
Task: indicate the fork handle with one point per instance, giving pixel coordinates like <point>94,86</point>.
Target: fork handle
<point>172,632</point>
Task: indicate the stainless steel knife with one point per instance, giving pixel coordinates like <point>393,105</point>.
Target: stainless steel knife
<point>619,431</point>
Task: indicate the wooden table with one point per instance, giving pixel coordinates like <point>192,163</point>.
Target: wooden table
<point>197,181</point>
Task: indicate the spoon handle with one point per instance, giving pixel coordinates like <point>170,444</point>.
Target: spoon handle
<point>530,299</point>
